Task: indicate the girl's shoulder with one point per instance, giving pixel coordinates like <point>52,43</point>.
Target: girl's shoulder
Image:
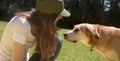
<point>19,22</point>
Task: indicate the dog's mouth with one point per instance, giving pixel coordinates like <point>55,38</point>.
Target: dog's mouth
<point>73,41</point>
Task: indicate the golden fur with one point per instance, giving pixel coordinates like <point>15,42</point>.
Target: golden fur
<point>43,28</point>
<point>105,39</point>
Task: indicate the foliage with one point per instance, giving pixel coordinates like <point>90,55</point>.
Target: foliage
<point>9,7</point>
<point>105,12</point>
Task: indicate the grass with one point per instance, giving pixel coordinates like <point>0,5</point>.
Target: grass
<point>70,51</point>
<point>2,26</point>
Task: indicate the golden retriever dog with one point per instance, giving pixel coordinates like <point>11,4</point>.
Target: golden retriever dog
<point>105,39</point>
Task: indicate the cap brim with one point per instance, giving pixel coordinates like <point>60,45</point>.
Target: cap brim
<point>65,13</point>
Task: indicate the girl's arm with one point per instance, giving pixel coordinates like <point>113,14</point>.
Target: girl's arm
<point>21,29</point>
<point>18,51</point>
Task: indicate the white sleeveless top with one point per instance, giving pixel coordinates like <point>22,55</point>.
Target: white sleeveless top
<point>18,29</point>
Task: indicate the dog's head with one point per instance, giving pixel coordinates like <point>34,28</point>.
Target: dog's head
<point>82,32</point>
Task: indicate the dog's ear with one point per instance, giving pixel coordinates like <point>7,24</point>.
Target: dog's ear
<point>93,32</point>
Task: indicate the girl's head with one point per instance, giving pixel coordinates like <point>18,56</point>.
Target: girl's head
<point>42,21</point>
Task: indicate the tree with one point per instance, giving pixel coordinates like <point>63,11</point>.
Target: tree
<point>113,15</point>
<point>9,7</point>
<point>4,4</point>
<point>106,12</point>
<point>91,10</point>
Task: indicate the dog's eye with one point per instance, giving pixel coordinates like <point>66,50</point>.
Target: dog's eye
<point>76,30</point>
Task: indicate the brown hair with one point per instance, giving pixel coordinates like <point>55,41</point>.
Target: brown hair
<point>43,28</point>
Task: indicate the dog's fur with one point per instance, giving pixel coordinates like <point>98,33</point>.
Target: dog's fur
<point>105,39</point>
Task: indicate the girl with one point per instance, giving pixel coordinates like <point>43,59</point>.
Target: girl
<point>29,28</point>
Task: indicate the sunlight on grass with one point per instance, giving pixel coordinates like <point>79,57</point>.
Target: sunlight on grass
<point>70,51</point>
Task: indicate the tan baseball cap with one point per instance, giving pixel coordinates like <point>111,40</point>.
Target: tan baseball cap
<point>52,6</point>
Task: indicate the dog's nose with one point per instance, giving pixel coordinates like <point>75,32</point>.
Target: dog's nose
<point>65,35</point>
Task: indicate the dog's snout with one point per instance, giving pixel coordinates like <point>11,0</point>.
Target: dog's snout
<point>65,35</point>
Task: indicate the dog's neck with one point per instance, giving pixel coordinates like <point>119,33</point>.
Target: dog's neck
<point>98,43</point>
<point>93,45</point>
<point>94,40</point>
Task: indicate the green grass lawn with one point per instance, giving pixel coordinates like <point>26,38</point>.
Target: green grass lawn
<point>70,51</point>
<point>2,26</point>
